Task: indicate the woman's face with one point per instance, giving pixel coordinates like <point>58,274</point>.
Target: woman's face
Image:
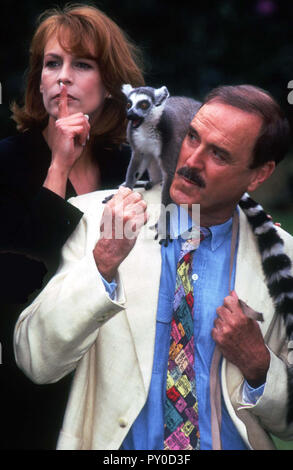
<point>86,91</point>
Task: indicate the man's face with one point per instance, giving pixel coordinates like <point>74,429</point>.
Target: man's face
<point>216,155</point>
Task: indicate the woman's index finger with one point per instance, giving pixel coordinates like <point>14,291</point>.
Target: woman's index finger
<point>63,106</point>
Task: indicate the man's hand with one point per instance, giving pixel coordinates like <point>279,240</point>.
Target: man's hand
<point>240,341</point>
<point>124,216</point>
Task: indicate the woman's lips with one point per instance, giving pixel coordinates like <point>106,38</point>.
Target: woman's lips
<point>69,97</point>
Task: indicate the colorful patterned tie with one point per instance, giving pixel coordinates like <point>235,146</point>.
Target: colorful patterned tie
<point>181,411</point>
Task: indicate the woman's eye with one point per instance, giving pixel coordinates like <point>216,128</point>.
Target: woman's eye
<point>83,65</point>
<point>51,64</point>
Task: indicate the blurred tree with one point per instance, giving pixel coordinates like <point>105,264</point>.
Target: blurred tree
<point>190,47</point>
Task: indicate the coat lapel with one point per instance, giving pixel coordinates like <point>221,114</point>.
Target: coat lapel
<point>140,274</point>
<point>250,278</point>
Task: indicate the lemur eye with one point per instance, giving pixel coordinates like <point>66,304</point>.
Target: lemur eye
<point>144,104</point>
<point>128,105</point>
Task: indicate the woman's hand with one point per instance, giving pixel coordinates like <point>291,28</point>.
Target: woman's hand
<point>70,135</point>
<point>67,138</point>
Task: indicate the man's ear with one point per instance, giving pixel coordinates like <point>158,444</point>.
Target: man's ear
<point>41,88</point>
<point>261,174</point>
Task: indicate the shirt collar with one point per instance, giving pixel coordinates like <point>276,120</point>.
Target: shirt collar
<point>220,233</point>
<point>181,222</point>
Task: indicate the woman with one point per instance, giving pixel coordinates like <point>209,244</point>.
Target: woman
<point>72,127</point>
<point>74,123</point>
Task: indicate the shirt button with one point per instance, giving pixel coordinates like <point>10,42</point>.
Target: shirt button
<point>122,422</point>
<point>194,277</point>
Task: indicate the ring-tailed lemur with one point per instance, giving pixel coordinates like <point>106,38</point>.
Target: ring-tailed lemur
<point>153,116</point>
<point>277,270</point>
<point>157,126</point>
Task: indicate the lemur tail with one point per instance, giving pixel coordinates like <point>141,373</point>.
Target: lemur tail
<point>277,270</point>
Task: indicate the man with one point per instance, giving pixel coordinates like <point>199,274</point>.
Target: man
<point>108,311</point>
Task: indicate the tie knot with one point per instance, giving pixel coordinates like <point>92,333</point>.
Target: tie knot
<point>188,246</point>
<point>192,243</point>
<point>204,232</point>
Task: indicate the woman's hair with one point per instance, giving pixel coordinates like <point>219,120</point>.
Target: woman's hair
<point>77,26</point>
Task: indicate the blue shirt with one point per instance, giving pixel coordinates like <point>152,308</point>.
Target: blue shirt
<point>211,285</point>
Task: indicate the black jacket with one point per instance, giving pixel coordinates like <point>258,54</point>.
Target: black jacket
<point>35,223</point>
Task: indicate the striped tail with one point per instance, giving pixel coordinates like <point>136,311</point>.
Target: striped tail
<point>277,270</point>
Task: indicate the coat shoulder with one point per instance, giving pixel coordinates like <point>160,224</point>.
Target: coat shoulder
<point>86,202</point>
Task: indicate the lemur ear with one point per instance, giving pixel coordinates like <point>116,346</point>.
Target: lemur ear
<point>126,89</point>
<point>161,94</point>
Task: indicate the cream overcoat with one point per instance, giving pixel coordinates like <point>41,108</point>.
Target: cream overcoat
<point>73,324</point>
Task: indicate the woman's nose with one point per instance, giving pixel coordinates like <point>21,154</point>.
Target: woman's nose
<point>65,75</point>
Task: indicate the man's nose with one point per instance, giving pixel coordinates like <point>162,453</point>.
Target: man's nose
<point>196,157</point>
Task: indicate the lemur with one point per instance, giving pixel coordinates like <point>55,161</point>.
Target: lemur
<point>158,124</point>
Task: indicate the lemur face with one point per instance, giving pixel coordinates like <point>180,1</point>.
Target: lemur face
<point>138,107</point>
<point>144,103</point>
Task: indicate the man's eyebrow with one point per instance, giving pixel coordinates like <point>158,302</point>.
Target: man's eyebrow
<point>192,130</point>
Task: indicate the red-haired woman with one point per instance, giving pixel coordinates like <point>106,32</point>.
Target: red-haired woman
<point>70,141</point>
<point>72,127</point>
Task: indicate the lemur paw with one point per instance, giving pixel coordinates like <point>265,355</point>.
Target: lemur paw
<point>148,185</point>
<point>165,241</point>
<point>107,199</point>
<point>143,184</point>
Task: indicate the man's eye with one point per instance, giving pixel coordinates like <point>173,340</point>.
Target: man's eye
<point>219,155</point>
<point>193,137</point>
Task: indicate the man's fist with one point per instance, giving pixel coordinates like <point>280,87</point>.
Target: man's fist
<point>124,216</point>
